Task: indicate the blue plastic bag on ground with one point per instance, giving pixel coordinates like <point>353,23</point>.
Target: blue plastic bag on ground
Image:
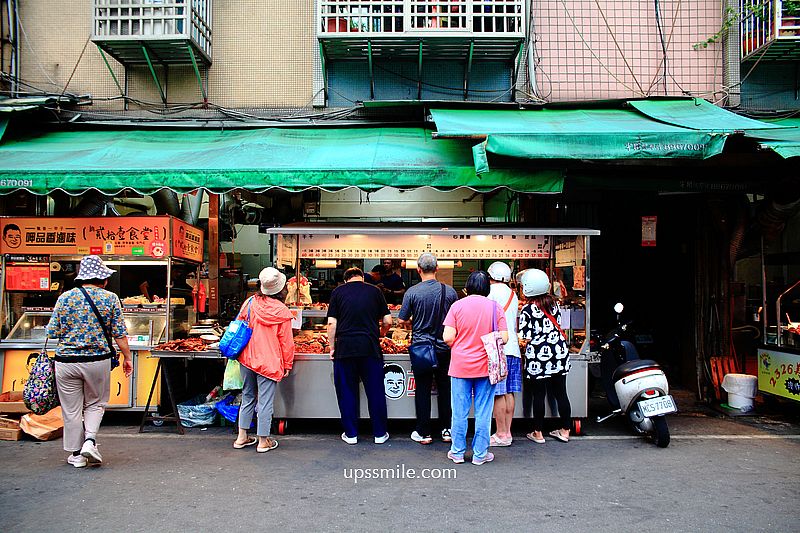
<point>196,412</point>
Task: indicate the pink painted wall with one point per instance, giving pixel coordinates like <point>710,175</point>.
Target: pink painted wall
<point>594,49</point>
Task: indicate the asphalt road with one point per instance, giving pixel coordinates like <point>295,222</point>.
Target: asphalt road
<point>718,474</point>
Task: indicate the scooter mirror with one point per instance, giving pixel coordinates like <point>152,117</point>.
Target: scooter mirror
<point>618,308</point>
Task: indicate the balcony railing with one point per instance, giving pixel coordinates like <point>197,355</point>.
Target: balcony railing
<point>156,22</point>
<point>767,22</point>
<point>421,18</point>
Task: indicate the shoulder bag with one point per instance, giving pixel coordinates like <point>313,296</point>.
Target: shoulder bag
<point>495,350</point>
<point>423,353</point>
<point>236,336</point>
<point>106,333</point>
<point>40,393</point>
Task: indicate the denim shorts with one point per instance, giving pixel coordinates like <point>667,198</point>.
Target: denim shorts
<point>513,382</point>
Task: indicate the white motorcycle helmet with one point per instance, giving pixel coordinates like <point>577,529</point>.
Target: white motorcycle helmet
<point>534,282</point>
<point>499,271</point>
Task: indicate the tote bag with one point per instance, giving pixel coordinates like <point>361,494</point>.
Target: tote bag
<point>40,394</point>
<point>495,351</point>
<point>236,336</point>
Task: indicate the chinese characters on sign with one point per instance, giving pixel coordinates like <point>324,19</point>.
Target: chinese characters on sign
<point>131,236</point>
<point>460,246</point>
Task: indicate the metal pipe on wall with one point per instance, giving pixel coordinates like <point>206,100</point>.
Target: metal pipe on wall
<point>731,56</point>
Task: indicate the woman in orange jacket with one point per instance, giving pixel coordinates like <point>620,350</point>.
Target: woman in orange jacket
<point>266,359</point>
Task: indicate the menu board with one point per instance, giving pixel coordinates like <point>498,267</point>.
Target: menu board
<point>451,246</point>
<point>128,236</point>
<point>27,276</point>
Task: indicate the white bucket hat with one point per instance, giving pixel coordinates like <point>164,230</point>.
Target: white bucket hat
<point>272,281</point>
<point>92,267</point>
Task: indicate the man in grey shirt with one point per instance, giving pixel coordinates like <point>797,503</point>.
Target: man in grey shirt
<point>423,313</point>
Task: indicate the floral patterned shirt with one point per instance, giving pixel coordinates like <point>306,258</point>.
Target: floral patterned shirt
<point>75,325</point>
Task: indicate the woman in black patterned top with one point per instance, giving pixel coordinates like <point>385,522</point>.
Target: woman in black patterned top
<point>547,353</point>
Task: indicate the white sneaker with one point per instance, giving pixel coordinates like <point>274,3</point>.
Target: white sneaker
<point>446,436</point>
<point>381,440</point>
<point>89,451</point>
<point>349,440</point>
<point>78,461</point>
<point>416,437</point>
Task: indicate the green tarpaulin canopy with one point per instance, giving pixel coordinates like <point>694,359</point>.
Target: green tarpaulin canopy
<point>784,142</point>
<point>291,159</point>
<point>698,114</point>
<point>652,129</point>
<point>577,134</point>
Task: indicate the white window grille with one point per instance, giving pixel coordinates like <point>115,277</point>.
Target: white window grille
<point>421,17</point>
<point>154,19</point>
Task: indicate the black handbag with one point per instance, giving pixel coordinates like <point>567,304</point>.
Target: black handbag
<point>106,333</point>
<point>423,353</point>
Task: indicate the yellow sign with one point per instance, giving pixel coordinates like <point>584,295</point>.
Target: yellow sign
<point>779,373</point>
<point>17,368</point>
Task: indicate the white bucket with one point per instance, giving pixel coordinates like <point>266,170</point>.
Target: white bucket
<point>741,389</point>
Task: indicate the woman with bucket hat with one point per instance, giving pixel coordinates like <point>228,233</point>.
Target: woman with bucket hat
<point>266,359</point>
<point>84,319</point>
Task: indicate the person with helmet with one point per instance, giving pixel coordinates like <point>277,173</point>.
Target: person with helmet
<point>499,291</point>
<point>546,355</point>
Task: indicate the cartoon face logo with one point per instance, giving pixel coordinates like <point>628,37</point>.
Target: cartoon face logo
<point>12,235</point>
<point>394,381</point>
<point>765,361</point>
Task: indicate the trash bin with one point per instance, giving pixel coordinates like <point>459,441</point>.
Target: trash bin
<point>741,389</point>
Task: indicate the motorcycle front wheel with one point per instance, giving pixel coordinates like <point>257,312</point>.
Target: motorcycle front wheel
<point>661,431</point>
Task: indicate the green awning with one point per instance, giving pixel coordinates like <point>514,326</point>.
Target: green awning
<point>698,114</point>
<point>291,159</point>
<point>555,133</point>
<point>784,142</point>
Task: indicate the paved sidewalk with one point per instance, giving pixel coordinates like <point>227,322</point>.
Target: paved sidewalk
<point>718,474</point>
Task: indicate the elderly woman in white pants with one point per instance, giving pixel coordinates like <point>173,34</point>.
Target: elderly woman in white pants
<point>84,356</point>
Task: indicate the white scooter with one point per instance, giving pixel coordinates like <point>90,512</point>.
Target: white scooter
<point>640,389</point>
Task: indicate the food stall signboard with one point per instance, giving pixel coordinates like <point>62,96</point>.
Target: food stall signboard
<point>460,246</point>
<point>126,236</point>
<point>779,373</point>
<point>187,241</point>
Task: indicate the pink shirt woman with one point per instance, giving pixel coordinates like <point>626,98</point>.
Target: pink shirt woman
<point>467,320</point>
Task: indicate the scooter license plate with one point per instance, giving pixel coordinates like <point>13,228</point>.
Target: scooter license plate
<point>657,406</point>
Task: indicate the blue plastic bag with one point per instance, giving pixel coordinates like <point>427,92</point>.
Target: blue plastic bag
<point>236,336</point>
<point>195,412</point>
<point>228,411</point>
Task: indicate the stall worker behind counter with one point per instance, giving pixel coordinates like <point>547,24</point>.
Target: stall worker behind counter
<point>354,313</point>
<point>393,286</point>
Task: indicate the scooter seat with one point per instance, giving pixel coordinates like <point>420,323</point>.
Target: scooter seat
<point>632,366</point>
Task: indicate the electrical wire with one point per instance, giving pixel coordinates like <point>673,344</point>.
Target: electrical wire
<point>591,51</point>
<point>663,44</point>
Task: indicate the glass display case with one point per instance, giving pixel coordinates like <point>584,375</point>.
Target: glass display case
<point>30,327</point>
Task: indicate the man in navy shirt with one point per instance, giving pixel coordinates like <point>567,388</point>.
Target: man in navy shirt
<point>357,318</point>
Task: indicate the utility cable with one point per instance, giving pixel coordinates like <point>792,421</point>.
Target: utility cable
<point>663,44</point>
<point>591,51</point>
<point>619,49</point>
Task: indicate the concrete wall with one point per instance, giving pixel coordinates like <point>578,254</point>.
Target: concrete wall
<point>263,56</point>
<point>264,53</point>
